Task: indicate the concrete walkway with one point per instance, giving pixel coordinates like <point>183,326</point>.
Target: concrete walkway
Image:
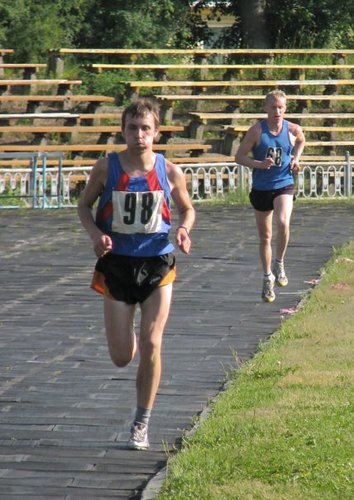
<point>65,410</point>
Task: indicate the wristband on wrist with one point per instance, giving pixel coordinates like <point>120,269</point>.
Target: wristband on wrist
<point>185,228</point>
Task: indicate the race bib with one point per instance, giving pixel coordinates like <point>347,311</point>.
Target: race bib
<point>137,212</point>
<point>276,154</point>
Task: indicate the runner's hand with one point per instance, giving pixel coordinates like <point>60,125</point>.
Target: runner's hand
<point>267,163</point>
<point>295,166</point>
<point>183,239</point>
<point>102,245</point>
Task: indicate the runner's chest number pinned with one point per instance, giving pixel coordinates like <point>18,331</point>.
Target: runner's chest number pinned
<point>137,212</point>
<point>276,154</point>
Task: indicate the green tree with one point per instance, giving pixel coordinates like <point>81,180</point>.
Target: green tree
<point>154,23</point>
<point>32,27</point>
<point>283,24</point>
<point>254,24</point>
<point>311,23</point>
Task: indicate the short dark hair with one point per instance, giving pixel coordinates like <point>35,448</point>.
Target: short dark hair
<point>141,107</point>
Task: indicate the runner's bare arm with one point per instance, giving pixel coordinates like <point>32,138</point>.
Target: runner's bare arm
<point>250,140</point>
<point>299,144</point>
<point>101,242</point>
<point>183,204</point>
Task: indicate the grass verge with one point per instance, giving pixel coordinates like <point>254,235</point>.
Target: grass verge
<point>283,429</point>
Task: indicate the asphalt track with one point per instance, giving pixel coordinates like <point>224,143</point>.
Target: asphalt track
<point>65,410</point>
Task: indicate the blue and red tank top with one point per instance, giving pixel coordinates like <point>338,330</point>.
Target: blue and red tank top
<point>279,148</point>
<point>136,211</point>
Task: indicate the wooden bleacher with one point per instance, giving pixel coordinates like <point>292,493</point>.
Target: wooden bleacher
<point>68,117</point>
<point>4,52</point>
<point>63,85</point>
<point>206,117</point>
<point>133,53</point>
<point>97,117</point>
<point>102,149</point>
<point>7,117</point>
<point>106,133</point>
<point>238,101</point>
<point>200,121</point>
<point>29,70</point>
<point>172,98</point>
<point>234,134</point>
<point>133,87</point>
<point>316,135</point>
<point>55,93</point>
<point>294,70</point>
<point>57,56</point>
<point>329,88</point>
<point>81,124</point>
<point>236,129</point>
<point>67,101</point>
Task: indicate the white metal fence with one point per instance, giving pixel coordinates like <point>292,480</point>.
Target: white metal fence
<point>40,186</point>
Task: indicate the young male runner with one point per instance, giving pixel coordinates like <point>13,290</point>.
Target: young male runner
<point>130,236</point>
<point>276,145</point>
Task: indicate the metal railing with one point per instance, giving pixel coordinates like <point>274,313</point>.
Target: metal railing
<point>329,179</point>
<point>35,186</point>
<point>40,186</point>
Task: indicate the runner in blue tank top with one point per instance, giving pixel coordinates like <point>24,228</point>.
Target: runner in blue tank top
<point>276,146</point>
<point>130,236</point>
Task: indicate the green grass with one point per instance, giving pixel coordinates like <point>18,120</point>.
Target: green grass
<point>12,198</point>
<point>237,197</point>
<point>283,429</point>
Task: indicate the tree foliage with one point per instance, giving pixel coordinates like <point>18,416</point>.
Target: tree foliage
<point>32,27</point>
<point>314,23</point>
<point>297,24</point>
<point>154,23</point>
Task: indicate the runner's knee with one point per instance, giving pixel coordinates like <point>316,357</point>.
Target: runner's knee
<point>149,348</point>
<point>283,224</point>
<point>121,359</point>
<point>265,237</point>
<point>122,353</point>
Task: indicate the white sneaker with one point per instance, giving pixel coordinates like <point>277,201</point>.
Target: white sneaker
<point>268,294</point>
<point>279,273</point>
<point>138,437</point>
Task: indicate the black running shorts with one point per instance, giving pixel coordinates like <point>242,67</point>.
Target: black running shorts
<point>132,279</point>
<point>263,200</point>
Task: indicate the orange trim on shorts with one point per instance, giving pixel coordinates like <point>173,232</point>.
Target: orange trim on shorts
<point>169,278</point>
<point>98,282</point>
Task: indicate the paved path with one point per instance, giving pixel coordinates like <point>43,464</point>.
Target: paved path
<point>65,409</point>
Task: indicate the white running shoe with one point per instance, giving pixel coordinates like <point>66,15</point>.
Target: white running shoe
<point>138,437</point>
<point>279,273</point>
<point>268,294</point>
